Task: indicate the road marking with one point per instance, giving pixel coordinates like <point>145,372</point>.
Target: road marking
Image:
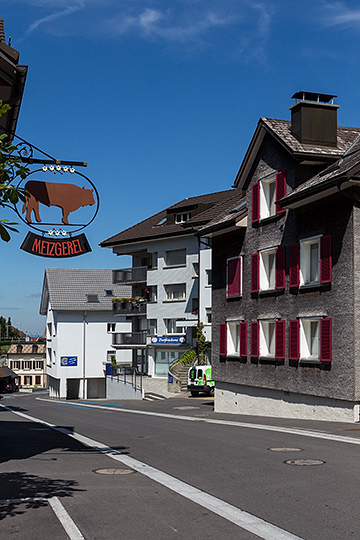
<point>69,526</point>
<point>279,429</point>
<point>244,520</point>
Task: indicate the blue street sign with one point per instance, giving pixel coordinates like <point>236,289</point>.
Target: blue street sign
<point>68,361</point>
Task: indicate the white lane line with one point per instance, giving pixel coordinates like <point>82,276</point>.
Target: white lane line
<point>244,520</point>
<point>69,526</point>
<point>279,429</point>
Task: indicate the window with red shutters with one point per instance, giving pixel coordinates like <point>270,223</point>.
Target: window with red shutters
<point>280,267</point>
<point>37,379</point>
<point>279,339</point>
<point>294,264</point>
<point>326,259</point>
<point>326,340</point>
<point>255,339</point>
<point>255,202</point>
<point>233,277</point>
<point>243,338</point>
<point>223,339</point>
<point>255,272</point>
<point>280,189</point>
<point>294,349</point>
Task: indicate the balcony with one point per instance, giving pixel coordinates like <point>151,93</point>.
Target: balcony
<point>129,338</point>
<point>130,275</point>
<point>128,307</point>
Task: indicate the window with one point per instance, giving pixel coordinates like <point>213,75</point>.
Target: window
<point>34,349</point>
<point>268,339</point>
<point>152,327</point>
<point>175,257</point>
<point>311,261</point>
<point>151,293</point>
<point>265,193</point>
<point>49,330</point>
<point>48,356</point>
<point>310,339</point>
<point>109,292</point>
<point>109,355</point>
<point>111,327</point>
<point>176,292</point>
<point>234,275</point>
<point>233,338</point>
<point>15,364</point>
<point>209,317</point>
<point>268,270</point>
<point>27,364</point>
<point>196,269</point>
<point>19,349</point>
<point>173,326</point>
<point>208,277</point>
<point>28,380</point>
<point>181,218</point>
<point>38,364</point>
<point>92,298</point>
<point>37,379</point>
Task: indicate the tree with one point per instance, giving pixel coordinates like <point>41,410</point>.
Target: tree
<point>11,168</point>
<point>201,344</point>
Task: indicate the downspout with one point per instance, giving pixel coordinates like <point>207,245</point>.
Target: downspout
<point>84,356</point>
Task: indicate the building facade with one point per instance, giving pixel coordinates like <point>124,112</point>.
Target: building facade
<point>80,325</point>
<point>171,282</point>
<point>285,285</point>
<point>27,360</point>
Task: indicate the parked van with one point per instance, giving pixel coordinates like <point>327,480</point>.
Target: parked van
<point>199,380</point>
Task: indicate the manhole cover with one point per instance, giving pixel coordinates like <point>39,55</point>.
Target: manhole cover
<point>285,449</point>
<point>304,462</point>
<point>113,471</point>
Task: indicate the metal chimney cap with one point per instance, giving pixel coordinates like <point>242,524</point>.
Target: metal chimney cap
<point>313,96</point>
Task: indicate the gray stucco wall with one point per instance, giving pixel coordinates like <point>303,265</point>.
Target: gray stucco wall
<point>331,216</point>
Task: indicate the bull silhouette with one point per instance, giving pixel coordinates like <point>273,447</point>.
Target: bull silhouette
<point>68,197</point>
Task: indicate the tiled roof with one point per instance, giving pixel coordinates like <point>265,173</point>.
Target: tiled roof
<point>27,348</point>
<point>6,372</point>
<point>150,228</point>
<point>227,213</point>
<point>282,129</point>
<point>67,289</point>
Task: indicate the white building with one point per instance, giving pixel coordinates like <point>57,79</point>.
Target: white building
<point>27,360</point>
<point>79,327</point>
<point>171,281</point>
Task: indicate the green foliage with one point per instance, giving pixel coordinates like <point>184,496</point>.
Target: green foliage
<point>11,169</point>
<point>201,344</point>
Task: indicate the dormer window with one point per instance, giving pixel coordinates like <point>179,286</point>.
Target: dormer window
<point>265,193</point>
<point>181,218</point>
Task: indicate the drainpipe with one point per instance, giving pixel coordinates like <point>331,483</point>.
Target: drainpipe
<point>83,359</point>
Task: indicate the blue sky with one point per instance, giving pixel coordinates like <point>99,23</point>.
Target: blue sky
<point>161,99</point>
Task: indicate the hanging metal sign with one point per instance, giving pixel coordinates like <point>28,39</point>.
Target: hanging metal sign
<point>50,207</point>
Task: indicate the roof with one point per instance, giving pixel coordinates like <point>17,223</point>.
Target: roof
<point>27,348</point>
<point>228,213</point>
<point>154,227</point>
<point>67,288</point>
<point>281,131</point>
<point>344,168</point>
<point>7,372</point>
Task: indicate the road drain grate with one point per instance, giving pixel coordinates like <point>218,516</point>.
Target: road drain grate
<point>304,462</point>
<point>113,471</point>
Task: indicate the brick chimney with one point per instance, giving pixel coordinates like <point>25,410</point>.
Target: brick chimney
<point>314,119</point>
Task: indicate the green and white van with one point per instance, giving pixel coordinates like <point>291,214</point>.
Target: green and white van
<point>199,380</point>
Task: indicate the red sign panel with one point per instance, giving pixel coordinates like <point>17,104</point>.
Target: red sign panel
<point>57,248</point>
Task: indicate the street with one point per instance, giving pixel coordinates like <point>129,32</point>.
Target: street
<point>172,469</point>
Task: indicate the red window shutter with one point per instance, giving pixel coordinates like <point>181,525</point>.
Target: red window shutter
<point>280,268</point>
<point>255,339</point>
<point>222,339</point>
<point>243,338</point>
<point>326,340</point>
<point>280,339</point>
<point>255,272</point>
<point>294,350</point>
<point>325,259</point>
<point>256,202</point>
<point>234,277</point>
<point>37,379</point>
<point>294,264</point>
<point>280,190</point>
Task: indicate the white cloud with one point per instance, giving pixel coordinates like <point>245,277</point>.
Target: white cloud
<point>338,14</point>
<point>68,10</point>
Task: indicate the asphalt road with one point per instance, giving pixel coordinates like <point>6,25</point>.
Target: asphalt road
<point>223,462</point>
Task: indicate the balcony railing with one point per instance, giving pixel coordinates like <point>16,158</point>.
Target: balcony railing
<point>129,308</point>
<point>130,275</point>
<point>129,338</point>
